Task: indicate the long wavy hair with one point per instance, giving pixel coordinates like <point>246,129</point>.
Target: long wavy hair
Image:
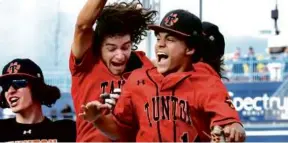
<point>119,19</point>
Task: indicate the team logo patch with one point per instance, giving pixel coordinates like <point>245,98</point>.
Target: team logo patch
<point>171,19</point>
<point>13,68</point>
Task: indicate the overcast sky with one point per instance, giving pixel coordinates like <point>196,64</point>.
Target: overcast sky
<point>25,24</point>
<point>235,18</point>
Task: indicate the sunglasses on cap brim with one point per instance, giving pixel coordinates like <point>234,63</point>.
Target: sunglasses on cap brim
<point>16,84</point>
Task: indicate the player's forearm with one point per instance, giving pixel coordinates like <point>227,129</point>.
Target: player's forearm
<point>108,127</point>
<point>84,27</point>
<point>89,13</point>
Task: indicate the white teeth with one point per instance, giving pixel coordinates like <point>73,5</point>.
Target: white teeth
<point>13,99</point>
<point>160,53</point>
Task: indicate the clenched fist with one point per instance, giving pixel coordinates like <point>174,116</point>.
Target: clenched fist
<point>111,99</point>
<point>234,132</point>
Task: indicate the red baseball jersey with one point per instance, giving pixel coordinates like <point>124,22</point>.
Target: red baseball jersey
<point>205,68</point>
<point>90,78</point>
<point>175,108</point>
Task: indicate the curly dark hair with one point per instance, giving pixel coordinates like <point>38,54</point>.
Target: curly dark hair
<point>123,18</point>
<point>45,94</point>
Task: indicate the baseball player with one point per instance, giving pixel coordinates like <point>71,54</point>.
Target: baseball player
<point>214,50</point>
<point>99,58</point>
<point>24,91</point>
<point>171,102</point>
<point>213,55</point>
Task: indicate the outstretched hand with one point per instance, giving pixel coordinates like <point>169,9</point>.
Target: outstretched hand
<point>92,111</point>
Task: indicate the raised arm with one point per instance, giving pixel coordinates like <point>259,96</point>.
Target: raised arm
<point>84,26</point>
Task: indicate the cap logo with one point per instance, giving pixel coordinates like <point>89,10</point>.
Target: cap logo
<point>211,38</point>
<point>171,19</point>
<point>13,68</point>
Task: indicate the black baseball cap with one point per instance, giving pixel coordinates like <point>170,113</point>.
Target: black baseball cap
<point>211,31</point>
<point>29,70</point>
<point>21,68</point>
<point>180,22</point>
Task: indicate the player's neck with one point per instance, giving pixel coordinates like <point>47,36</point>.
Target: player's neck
<point>31,115</point>
<point>185,67</point>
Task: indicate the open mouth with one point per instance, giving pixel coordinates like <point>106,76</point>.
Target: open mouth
<point>162,56</point>
<point>118,64</point>
<point>13,101</point>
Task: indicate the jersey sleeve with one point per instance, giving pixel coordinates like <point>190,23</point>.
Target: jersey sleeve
<point>124,114</point>
<point>219,106</point>
<point>82,65</point>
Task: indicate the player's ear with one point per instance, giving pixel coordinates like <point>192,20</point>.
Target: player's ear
<point>190,51</point>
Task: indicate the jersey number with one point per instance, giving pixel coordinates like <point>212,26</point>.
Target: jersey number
<point>184,137</point>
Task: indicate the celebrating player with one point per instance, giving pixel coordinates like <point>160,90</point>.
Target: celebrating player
<point>214,57</point>
<point>172,102</point>
<point>100,57</point>
<point>214,50</point>
<point>24,91</point>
